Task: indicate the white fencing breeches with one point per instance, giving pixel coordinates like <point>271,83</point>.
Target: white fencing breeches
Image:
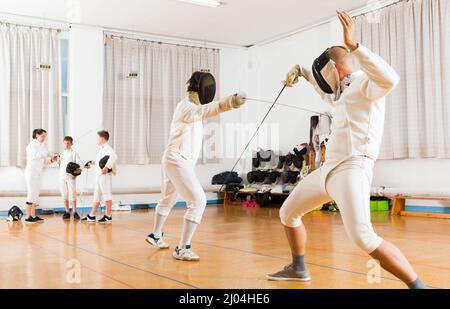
<point>33,180</point>
<point>179,177</point>
<point>349,186</point>
<point>68,188</point>
<point>103,188</point>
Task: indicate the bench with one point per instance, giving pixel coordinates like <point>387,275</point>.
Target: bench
<point>398,197</point>
<point>399,206</point>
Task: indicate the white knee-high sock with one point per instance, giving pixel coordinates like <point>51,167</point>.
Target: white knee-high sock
<point>158,224</point>
<point>187,232</point>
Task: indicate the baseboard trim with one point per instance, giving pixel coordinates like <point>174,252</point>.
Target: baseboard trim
<point>85,209</point>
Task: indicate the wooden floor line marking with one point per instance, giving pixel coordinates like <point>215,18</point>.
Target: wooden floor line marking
<point>117,261</point>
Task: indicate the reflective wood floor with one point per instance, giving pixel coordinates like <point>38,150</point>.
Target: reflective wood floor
<point>238,247</point>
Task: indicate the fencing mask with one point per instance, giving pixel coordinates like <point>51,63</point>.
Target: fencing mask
<point>204,84</point>
<point>73,169</point>
<point>15,214</point>
<point>326,75</point>
<point>102,163</point>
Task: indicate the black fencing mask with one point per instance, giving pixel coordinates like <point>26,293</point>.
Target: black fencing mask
<point>15,214</point>
<point>73,169</point>
<point>326,75</point>
<point>205,85</point>
<point>102,163</point>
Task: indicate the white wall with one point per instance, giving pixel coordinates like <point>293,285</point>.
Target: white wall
<point>86,59</point>
<point>269,63</point>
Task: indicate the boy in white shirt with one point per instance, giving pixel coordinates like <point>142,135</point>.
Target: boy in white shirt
<point>105,165</point>
<point>68,183</point>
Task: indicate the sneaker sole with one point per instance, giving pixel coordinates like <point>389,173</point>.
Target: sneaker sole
<point>176,257</point>
<point>270,278</point>
<point>154,244</point>
<point>107,222</point>
<point>88,221</point>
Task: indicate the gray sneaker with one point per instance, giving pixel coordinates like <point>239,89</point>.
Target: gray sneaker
<point>290,274</point>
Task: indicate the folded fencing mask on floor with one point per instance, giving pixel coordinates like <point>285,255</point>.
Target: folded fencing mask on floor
<point>205,85</point>
<point>326,75</point>
<point>15,214</point>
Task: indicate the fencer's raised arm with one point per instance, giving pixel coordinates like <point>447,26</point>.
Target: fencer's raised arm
<point>196,112</point>
<point>381,77</point>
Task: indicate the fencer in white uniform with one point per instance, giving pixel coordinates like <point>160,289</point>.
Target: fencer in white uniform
<point>68,182</point>
<point>38,157</point>
<point>105,168</point>
<point>358,108</point>
<point>180,157</point>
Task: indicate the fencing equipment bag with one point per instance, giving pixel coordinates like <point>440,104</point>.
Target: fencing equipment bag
<point>15,214</point>
<point>73,169</point>
<point>226,178</point>
<point>205,85</point>
<point>102,163</point>
<point>326,75</point>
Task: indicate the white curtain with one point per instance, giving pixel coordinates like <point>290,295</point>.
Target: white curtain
<point>414,37</point>
<point>30,97</point>
<point>138,111</point>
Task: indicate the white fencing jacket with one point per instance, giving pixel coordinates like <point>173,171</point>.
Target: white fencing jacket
<point>37,156</point>
<point>105,150</point>
<point>66,157</point>
<point>186,130</point>
<point>358,114</point>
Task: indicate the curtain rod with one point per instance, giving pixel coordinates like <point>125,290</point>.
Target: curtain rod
<point>158,42</point>
<point>7,23</point>
<point>381,8</point>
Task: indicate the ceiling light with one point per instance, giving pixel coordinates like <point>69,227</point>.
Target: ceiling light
<point>210,3</point>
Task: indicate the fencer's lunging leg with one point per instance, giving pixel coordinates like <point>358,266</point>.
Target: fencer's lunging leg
<point>165,205</point>
<point>187,232</point>
<point>181,173</point>
<point>395,262</point>
<point>305,197</point>
<point>162,211</point>
<point>349,185</point>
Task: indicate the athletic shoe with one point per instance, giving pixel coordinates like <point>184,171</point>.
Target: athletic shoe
<point>30,220</point>
<point>157,242</point>
<point>76,216</point>
<point>290,274</point>
<point>105,220</point>
<point>66,216</point>
<point>89,219</point>
<point>38,219</point>
<point>185,254</point>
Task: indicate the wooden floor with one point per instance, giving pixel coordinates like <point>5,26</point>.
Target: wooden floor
<point>237,247</point>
